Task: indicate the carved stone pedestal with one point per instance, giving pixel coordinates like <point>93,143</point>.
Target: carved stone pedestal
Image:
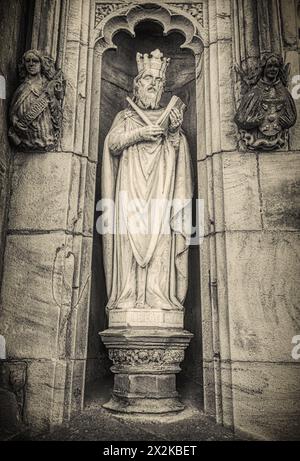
<point>145,362</point>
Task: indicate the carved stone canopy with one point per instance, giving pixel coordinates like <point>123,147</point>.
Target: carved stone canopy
<point>104,9</point>
<point>185,18</point>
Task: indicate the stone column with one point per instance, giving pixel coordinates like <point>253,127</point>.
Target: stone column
<point>45,290</point>
<point>220,134</point>
<point>15,20</point>
<point>261,237</point>
<point>248,258</point>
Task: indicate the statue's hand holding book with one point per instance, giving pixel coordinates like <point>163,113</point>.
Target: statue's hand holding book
<point>176,119</point>
<point>171,119</point>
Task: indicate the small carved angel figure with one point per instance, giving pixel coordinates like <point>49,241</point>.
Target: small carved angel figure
<point>267,109</point>
<point>36,109</point>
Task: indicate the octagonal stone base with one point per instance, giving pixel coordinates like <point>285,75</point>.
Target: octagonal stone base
<point>145,363</point>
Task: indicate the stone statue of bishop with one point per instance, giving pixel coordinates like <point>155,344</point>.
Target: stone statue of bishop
<point>146,171</point>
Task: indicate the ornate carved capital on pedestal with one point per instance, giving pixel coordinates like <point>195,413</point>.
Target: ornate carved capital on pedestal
<point>149,358</point>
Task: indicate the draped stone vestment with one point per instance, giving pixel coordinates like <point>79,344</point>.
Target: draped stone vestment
<point>147,269</point>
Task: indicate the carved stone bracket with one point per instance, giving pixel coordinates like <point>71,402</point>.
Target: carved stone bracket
<point>267,109</point>
<point>36,108</point>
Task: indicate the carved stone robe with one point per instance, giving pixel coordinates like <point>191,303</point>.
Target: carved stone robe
<point>147,269</point>
<point>40,133</point>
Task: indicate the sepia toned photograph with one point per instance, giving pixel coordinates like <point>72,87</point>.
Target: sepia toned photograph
<point>149,223</point>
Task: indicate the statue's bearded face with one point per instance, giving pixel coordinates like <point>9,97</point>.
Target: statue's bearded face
<point>149,89</point>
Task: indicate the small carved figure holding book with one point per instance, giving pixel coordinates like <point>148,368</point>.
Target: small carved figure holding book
<point>36,108</point>
<point>146,156</point>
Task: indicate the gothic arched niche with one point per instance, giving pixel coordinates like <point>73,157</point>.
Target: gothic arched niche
<point>119,69</point>
<point>118,44</point>
<point>171,17</point>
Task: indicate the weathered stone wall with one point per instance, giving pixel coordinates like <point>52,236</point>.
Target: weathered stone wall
<point>249,257</point>
<point>46,283</point>
<point>263,265</point>
<point>42,292</point>
<point>14,28</point>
